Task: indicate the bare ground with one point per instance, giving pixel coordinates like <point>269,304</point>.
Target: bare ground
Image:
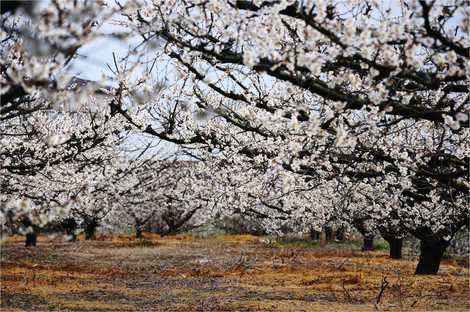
<point>224,273</point>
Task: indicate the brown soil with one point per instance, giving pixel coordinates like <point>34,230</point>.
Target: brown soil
<point>222,273</point>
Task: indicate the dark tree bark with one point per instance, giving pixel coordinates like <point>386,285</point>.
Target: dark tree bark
<point>314,235</point>
<point>138,231</point>
<point>340,233</point>
<point>329,233</point>
<point>90,232</point>
<point>90,225</point>
<point>31,232</point>
<point>368,236</point>
<point>71,236</point>
<point>175,219</point>
<point>395,244</point>
<point>368,243</point>
<point>430,257</point>
<point>69,225</point>
<point>31,239</point>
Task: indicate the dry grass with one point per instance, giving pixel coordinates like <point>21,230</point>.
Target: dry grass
<point>222,273</point>
<point>238,238</point>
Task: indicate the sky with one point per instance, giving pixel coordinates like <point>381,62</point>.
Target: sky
<point>92,62</point>
<point>93,58</point>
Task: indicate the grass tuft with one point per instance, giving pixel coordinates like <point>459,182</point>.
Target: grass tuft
<point>381,246</point>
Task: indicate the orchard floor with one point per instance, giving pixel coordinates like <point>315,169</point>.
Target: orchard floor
<point>221,273</point>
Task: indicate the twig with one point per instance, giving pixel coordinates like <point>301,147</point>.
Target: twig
<point>350,298</point>
<point>384,286</point>
<point>115,63</point>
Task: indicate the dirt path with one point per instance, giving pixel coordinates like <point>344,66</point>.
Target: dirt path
<point>230,273</point>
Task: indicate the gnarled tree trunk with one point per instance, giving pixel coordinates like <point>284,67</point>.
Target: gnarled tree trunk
<point>31,232</point>
<point>90,225</point>
<point>69,225</point>
<point>90,231</point>
<point>395,244</point>
<point>138,231</point>
<point>31,239</point>
<point>340,233</point>
<point>71,236</point>
<point>314,234</point>
<point>430,256</point>
<point>368,243</point>
<point>329,233</point>
<point>368,236</point>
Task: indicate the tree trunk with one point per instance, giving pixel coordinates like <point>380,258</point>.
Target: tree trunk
<point>138,231</point>
<point>31,239</point>
<point>314,235</point>
<point>340,234</point>
<point>368,236</point>
<point>90,230</point>
<point>70,225</point>
<point>31,232</point>
<point>329,235</point>
<point>395,244</point>
<point>430,257</point>
<point>71,236</point>
<point>90,225</point>
<point>368,243</point>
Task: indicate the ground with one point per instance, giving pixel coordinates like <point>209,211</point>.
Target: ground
<point>219,273</point>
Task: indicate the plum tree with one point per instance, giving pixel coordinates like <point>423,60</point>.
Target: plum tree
<point>357,92</point>
<point>297,111</point>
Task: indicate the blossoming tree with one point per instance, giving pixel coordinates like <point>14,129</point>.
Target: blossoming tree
<point>355,92</point>
<point>56,130</point>
<point>366,102</point>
